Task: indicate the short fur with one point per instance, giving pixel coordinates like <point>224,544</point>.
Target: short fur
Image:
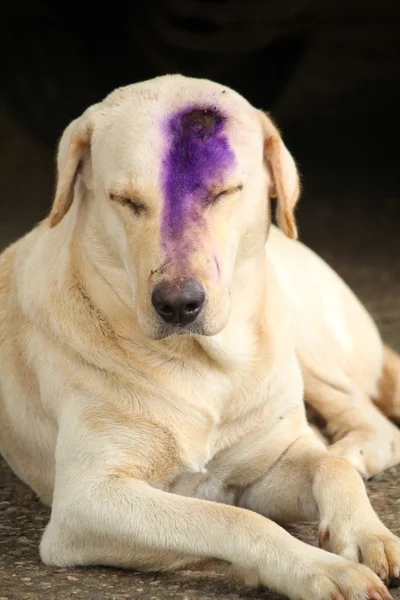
<point>159,447</point>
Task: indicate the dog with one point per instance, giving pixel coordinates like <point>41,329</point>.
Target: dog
<point>155,333</point>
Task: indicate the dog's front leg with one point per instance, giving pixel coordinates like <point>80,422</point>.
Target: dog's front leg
<point>105,511</point>
<point>308,483</point>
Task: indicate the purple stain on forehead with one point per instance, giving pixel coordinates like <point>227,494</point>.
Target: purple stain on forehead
<point>198,154</point>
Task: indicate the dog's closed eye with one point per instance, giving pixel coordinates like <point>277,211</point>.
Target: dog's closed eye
<point>138,208</point>
<point>213,197</point>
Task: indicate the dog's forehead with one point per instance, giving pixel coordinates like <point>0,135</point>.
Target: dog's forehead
<point>143,108</point>
<point>140,122</point>
<point>173,91</point>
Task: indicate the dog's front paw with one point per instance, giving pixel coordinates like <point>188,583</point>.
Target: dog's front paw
<point>381,552</point>
<point>333,578</point>
<point>374,546</point>
<point>345,580</point>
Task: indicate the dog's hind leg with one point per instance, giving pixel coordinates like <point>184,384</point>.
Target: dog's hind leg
<point>357,430</point>
<point>388,399</point>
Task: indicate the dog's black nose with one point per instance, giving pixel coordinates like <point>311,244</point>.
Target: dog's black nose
<point>178,303</point>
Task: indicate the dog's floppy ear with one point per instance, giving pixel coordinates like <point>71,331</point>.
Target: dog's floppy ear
<point>73,148</point>
<point>285,183</point>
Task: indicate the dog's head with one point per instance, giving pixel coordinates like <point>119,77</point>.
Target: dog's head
<point>179,173</point>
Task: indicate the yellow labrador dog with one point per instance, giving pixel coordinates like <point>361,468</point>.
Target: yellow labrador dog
<point>152,348</point>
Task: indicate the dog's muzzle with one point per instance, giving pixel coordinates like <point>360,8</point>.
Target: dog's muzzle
<point>178,302</point>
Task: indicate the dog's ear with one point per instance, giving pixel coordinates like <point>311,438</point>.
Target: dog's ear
<point>73,150</point>
<point>285,183</point>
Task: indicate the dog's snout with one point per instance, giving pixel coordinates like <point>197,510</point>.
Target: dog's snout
<point>178,303</point>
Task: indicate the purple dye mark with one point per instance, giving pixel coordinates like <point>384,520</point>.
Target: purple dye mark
<point>198,151</point>
<point>217,265</point>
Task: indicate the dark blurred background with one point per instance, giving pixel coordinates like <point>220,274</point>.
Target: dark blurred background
<point>328,71</point>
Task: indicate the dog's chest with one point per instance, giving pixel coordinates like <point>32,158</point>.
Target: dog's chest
<point>230,424</point>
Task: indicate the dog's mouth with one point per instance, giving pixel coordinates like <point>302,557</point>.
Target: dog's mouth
<point>165,330</point>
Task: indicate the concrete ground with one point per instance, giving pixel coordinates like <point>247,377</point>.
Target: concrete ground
<point>23,577</point>
<point>349,213</point>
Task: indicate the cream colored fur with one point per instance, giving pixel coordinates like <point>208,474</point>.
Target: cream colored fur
<point>158,452</point>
